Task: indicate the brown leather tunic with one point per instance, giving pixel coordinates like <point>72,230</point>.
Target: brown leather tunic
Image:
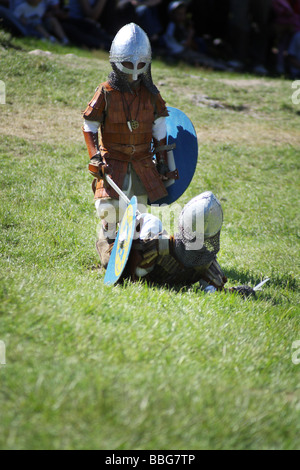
<point>119,145</point>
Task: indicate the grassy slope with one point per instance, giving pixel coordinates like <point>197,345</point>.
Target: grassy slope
<point>133,367</point>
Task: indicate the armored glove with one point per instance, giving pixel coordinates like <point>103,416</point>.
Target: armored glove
<point>98,166</point>
<point>163,169</point>
<point>150,249</point>
<point>214,275</point>
<point>244,291</point>
<point>161,150</point>
<point>162,158</point>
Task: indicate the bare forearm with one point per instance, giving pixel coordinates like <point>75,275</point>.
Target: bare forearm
<point>40,29</point>
<point>93,12</point>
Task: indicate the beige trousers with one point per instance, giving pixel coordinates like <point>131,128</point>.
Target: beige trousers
<point>111,211</point>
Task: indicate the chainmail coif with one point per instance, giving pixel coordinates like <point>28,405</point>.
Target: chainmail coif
<point>196,258</point>
<point>119,80</point>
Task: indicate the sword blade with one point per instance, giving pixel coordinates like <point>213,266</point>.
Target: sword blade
<point>261,284</point>
<point>117,189</point>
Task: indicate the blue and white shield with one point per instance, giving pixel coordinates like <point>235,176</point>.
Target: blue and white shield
<point>184,157</point>
<point>122,245</point>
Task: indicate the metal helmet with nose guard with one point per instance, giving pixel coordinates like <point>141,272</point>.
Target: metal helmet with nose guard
<point>131,51</point>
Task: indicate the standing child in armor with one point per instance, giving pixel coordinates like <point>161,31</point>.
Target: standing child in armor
<point>130,113</point>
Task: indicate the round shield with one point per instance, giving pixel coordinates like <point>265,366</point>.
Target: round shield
<point>184,157</point>
<point>122,245</point>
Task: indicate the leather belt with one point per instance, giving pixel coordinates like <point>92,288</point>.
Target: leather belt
<point>131,151</point>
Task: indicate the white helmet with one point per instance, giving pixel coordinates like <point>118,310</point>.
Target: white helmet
<point>131,44</point>
<point>200,223</point>
<point>203,215</point>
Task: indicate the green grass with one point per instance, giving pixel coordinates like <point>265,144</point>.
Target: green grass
<point>133,366</point>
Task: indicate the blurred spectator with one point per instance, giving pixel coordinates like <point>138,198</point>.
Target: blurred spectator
<point>56,8</point>
<point>108,18</point>
<point>148,18</point>
<point>90,9</point>
<point>181,41</point>
<point>249,25</point>
<point>17,27</point>
<point>83,27</point>
<point>211,17</point>
<point>211,23</point>
<point>10,22</point>
<point>285,23</point>
<point>54,15</point>
<point>124,13</point>
<point>294,56</point>
<point>287,14</point>
<point>148,14</point>
<point>32,14</point>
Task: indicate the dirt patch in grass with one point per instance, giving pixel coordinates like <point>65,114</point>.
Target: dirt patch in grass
<point>58,125</point>
<point>53,125</point>
<point>248,83</point>
<point>251,133</point>
<point>204,101</point>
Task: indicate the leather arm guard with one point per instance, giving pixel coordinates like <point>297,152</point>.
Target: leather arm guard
<point>92,142</point>
<point>97,166</point>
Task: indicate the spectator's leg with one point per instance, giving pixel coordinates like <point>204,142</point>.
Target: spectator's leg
<point>54,26</point>
<point>148,19</point>
<point>10,22</point>
<point>261,10</point>
<point>85,33</point>
<point>239,30</point>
